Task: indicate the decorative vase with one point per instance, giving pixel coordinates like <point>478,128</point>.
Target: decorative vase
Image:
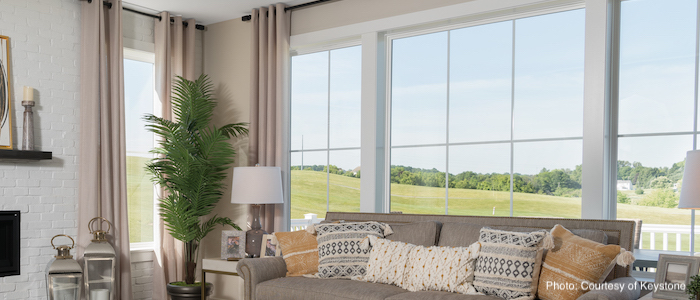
<point>177,292</point>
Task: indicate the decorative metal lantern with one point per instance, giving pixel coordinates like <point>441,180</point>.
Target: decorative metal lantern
<point>64,276</point>
<point>100,264</point>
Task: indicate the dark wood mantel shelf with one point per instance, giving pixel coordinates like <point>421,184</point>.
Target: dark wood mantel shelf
<point>24,155</point>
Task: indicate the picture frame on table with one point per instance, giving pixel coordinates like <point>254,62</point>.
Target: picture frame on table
<point>270,247</point>
<point>674,272</point>
<point>232,244</point>
<point>5,93</point>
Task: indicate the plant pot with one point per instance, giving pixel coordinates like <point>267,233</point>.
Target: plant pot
<point>177,292</point>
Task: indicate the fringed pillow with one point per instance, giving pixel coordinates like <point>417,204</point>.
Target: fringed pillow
<point>339,252</point>
<point>575,260</point>
<point>449,269</point>
<point>387,261</point>
<point>300,252</point>
<point>509,263</point>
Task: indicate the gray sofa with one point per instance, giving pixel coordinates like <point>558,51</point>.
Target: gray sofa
<point>265,277</point>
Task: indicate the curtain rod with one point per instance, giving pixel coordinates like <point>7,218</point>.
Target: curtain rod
<point>248,17</point>
<point>109,5</point>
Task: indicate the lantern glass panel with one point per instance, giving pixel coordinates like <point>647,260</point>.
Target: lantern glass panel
<point>65,287</point>
<point>100,274</point>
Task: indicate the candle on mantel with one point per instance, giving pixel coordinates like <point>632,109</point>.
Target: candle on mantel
<point>28,93</point>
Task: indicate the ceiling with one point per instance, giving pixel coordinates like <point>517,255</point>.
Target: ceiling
<point>205,11</point>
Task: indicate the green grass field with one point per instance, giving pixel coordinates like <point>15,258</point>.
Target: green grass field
<point>309,196</point>
<point>139,194</point>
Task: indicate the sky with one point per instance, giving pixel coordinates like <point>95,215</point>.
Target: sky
<point>537,63</point>
<point>138,99</point>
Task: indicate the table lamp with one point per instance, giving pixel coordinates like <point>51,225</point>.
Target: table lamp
<point>690,191</point>
<point>256,185</point>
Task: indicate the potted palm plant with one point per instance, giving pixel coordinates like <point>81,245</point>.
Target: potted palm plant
<point>191,163</point>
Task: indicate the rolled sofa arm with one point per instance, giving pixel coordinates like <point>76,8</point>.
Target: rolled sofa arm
<point>257,270</point>
<point>626,289</point>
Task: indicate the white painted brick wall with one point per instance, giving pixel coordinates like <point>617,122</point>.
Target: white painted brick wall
<point>45,44</point>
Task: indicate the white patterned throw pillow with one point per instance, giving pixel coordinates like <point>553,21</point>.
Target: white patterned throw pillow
<point>339,252</point>
<point>509,263</point>
<point>436,268</point>
<point>387,261</point>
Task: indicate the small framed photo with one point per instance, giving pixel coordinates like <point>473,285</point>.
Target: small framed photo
<point>673,274</point>
<point>232,244</point>
<point>269,247</point>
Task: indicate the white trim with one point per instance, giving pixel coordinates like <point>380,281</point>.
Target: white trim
<point>432,18</point>
<point>138,55</point>
<point>596,177</point>
<point>372,139</point>
<point>142,255</point>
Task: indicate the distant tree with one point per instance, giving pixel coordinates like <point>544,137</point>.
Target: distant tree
<point>661,182</point>
<point>660,198</point>
<point>623,198</point>
<point>639,191</point>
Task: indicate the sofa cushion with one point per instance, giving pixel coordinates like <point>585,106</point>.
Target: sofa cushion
<point>417,233</point>
<point>301,288</point>
<point>459,234</point>
<point>433,295</point>
<point>509,263</point>
<point>574,260</point>
<point>595,235</point>
<point>300,252</point>
<point>339,252</point>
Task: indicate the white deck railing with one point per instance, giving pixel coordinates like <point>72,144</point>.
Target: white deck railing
<point>665,230</point>
<point>301,224</point>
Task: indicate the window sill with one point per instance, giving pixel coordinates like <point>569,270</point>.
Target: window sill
<point>141,255</point>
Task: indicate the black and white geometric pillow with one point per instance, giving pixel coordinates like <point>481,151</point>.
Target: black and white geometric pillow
<point>339,252</point>
<point>509,263</point>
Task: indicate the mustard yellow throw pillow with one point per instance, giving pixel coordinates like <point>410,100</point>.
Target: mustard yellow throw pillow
<point>575,263</point>
<point>300,252</point>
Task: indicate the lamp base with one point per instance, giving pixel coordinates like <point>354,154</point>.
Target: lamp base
<point>253,242</point>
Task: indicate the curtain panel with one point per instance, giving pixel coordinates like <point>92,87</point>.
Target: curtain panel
<point>268,90</point>
<point>174,57</point>
<point>102,159</point>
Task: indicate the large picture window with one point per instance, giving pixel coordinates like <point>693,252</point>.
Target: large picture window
<point>325,132</point>
<point>139,99</point>
<point>657,120</point>
<point>487,120</point>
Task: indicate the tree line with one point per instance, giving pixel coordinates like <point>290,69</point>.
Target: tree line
<point>556,182</point>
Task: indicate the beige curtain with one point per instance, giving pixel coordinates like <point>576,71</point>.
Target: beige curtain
<point>269,68</point>
<point>174,57</point>
<point>102,159</point>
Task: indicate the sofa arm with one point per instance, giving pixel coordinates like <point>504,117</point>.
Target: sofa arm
<point>257,270</point>
<point>626,289</point>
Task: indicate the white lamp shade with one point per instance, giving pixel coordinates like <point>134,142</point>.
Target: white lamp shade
<point>256,185</point>
<point>690,189</point>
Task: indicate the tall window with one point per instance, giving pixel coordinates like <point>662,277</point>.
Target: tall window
<point>498,108</point>
<point>657,120</point>
<point>325,132</point>
<point>140,99</point>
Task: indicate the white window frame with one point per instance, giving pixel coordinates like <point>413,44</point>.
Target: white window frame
<point>148,57</point>
<point>599,122</point>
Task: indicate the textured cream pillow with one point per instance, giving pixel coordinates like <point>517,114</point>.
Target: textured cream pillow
<point>575,260</point>
<point>435,268</point>
<point>300,252</point>
<point>387,261</point>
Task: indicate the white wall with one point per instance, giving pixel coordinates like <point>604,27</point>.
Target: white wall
<point>45,44</point>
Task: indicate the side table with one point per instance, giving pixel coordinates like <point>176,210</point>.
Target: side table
<point>218,266</point>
